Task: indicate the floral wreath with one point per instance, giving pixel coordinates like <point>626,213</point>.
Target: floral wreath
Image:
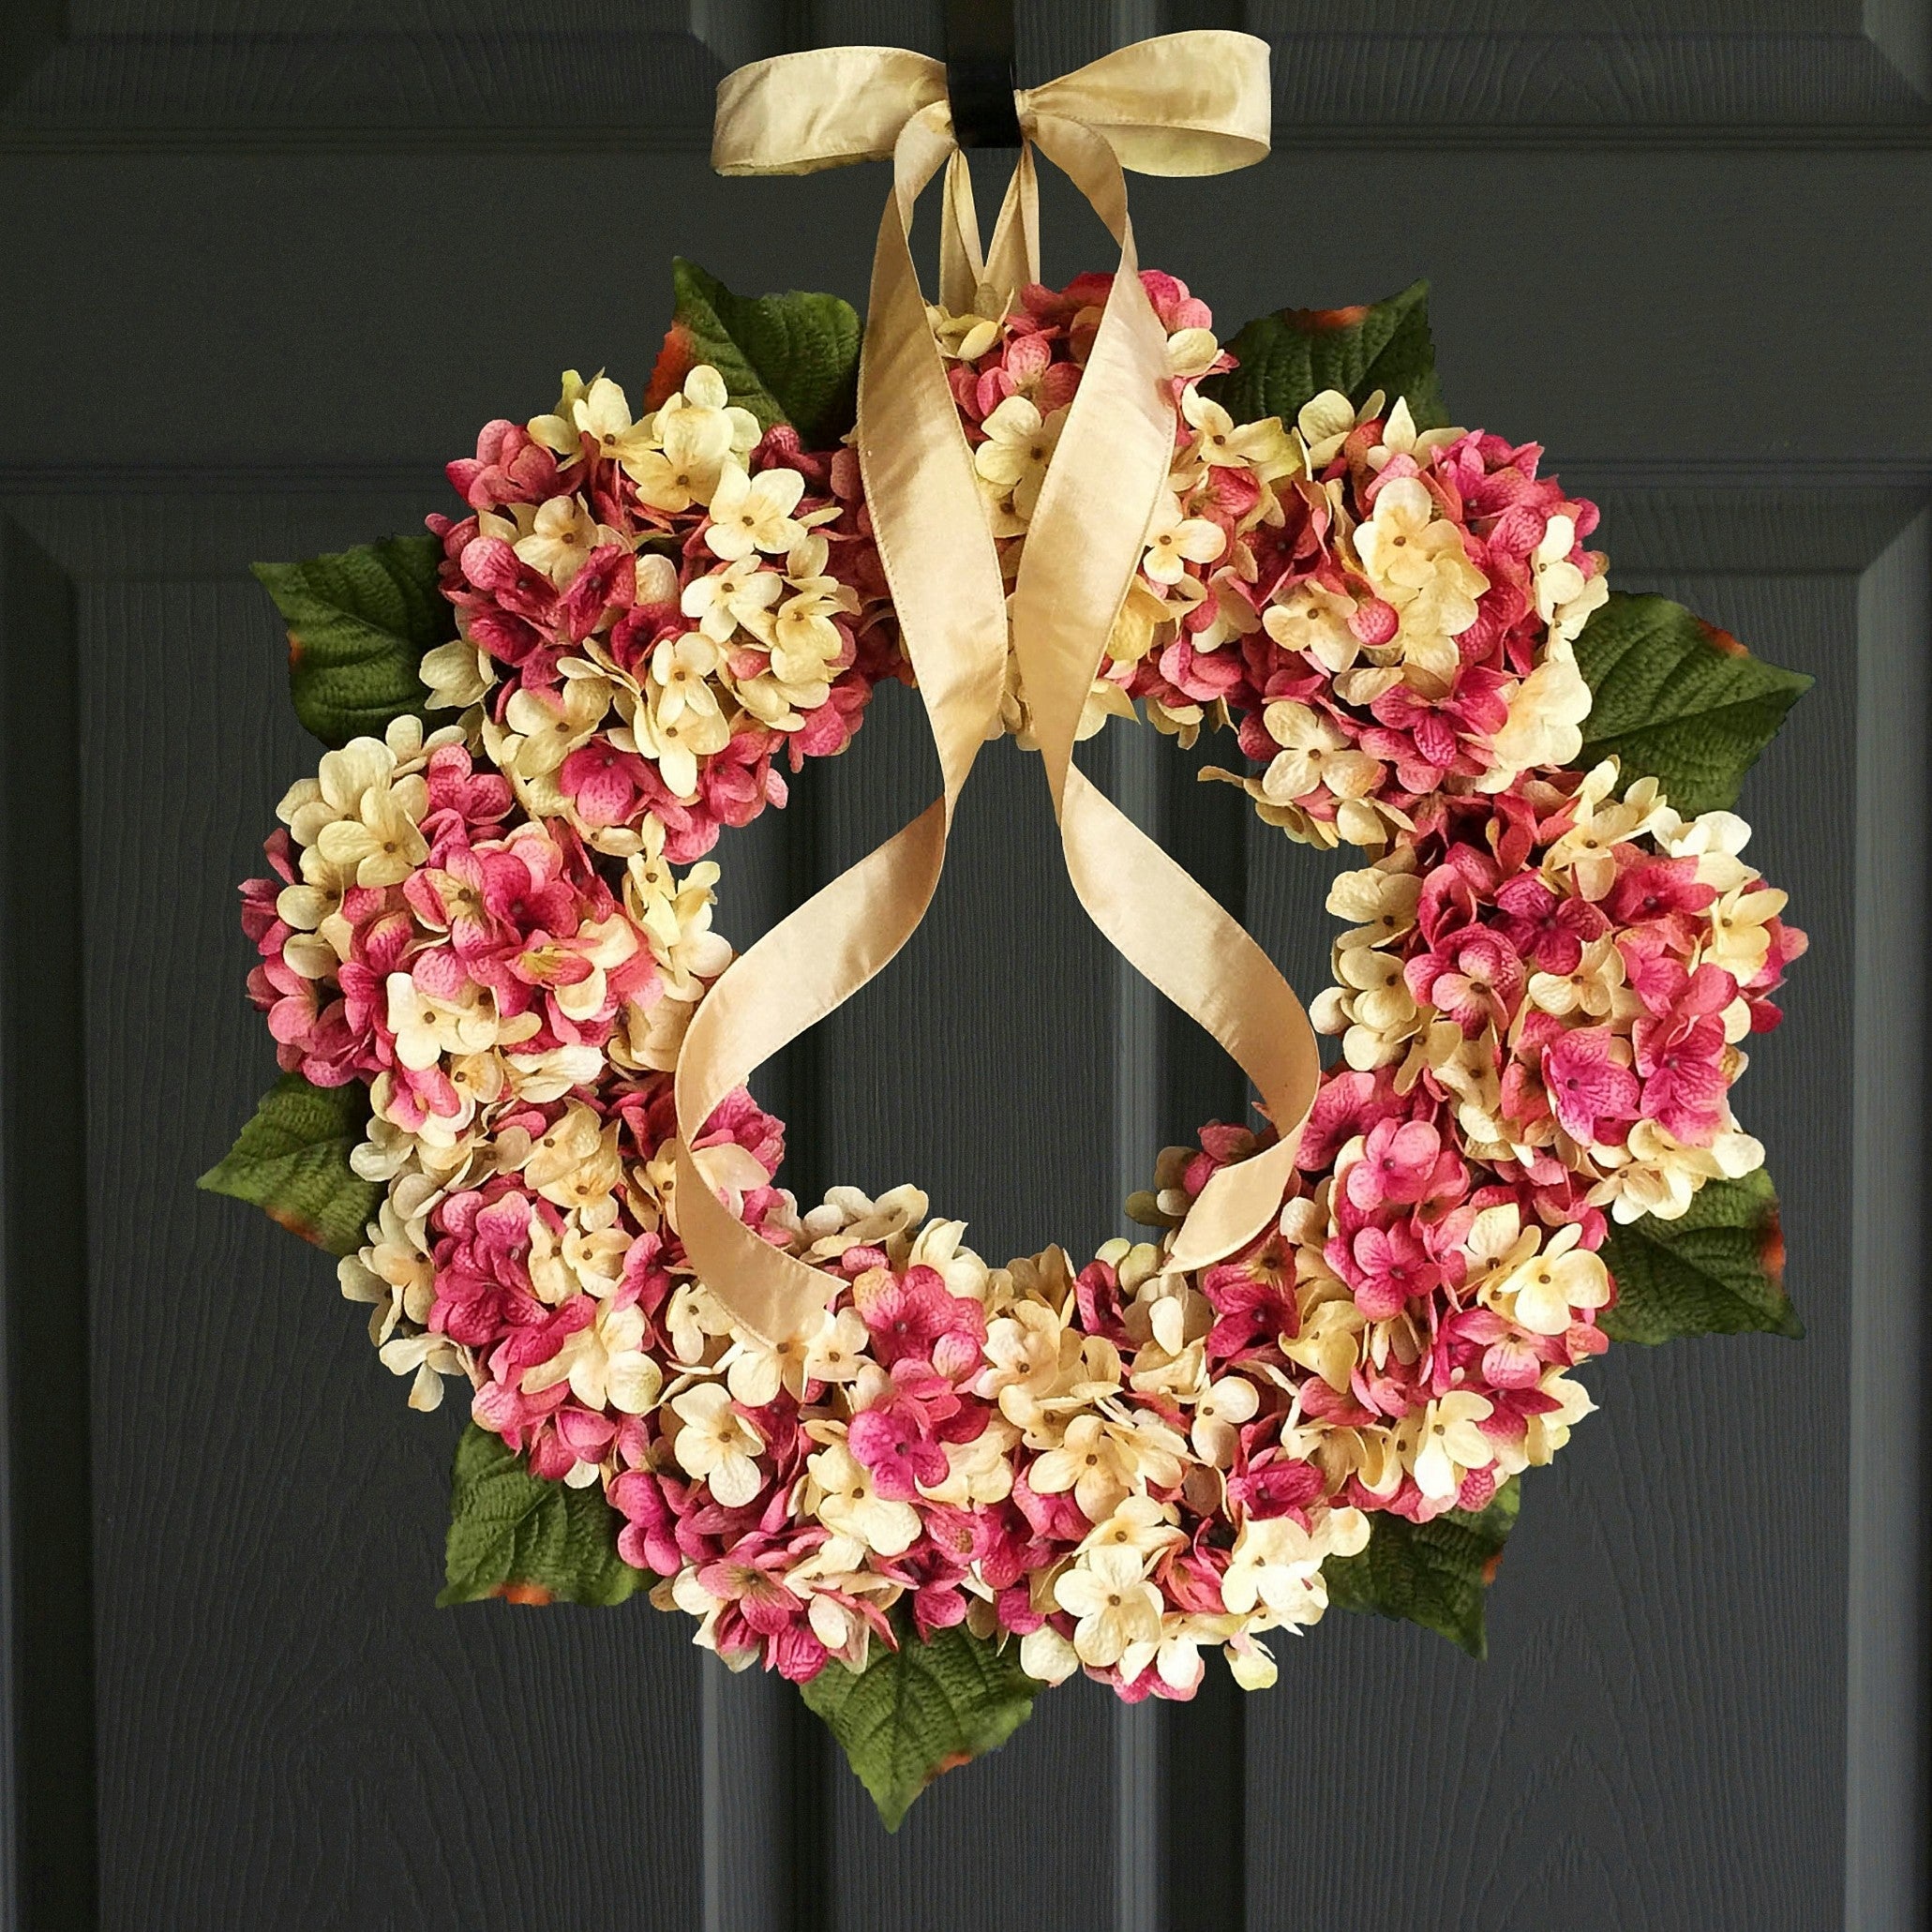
<point>486,932</point>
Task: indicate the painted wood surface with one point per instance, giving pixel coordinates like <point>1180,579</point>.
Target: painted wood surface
<point>282,259</point>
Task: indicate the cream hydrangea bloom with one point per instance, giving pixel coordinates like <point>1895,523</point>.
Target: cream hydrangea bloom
<point>1601,822</point>
<point>1116,1607</point>
<point>393,1270</point>
<point>1546,1286</point>
<point>558,430</point>
<point>968,336</point>
<point>1401,437</point>
<point>1221,441</point>
<point>1313,754</point>
<point>427,1026</point>
<point>688,443</point>
<point>1740,930</point>
<point>547,727</point>
<point>1324,421</point>
<point>1656,1174</point>
<point>1019,445</point>
<point>1222,1408</point>
<point>835,1353</point>
<point>841,1495</point>
<point>1380,902</point>
<point>1564,596</point>
<point>606,1363</point>
<point>1416,562</point>
<point>1546,716</point>
<point>717,1443</point>
<point>735,596</point>
<point>1175,540</point>
<point>1141,1524</point>
<point>1046,1656</point>
<point>1314,620</point>
<point>425,1358</point>
<point>1446,1443</point>
<point>602,412</point>
<point>560,539</point>
<point>366,796</point>
<point>1274,1572</point>
<point>677,743</point>
<point>753,513</point>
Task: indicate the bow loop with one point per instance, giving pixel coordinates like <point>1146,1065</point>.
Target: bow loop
<point>1191,103</point>
<point>797,113</point>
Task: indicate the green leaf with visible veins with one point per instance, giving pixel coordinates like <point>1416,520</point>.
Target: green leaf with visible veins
<point>512,1534</point>
<point>1431,1573</point>
<point>1720,1269</point>
<point>1679,701</point>
<point>293,1160</point>
<point>1288,359</point>
<point>921,1709</point>
<point>359,622</point>
<point>785,358</point>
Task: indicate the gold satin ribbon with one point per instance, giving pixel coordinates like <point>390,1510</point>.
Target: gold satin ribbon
<point>1192,103</point>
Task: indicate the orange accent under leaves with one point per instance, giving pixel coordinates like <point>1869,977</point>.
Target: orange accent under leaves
<point>673,363</point>
<point>1721,640</point>
<point>287,1218</point>
<point>1320,322</point>
<point>531,1594</point>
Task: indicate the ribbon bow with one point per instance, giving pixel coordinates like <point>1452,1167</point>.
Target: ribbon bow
<point>1193,103</point>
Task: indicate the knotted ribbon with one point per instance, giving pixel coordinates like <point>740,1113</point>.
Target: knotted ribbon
<point>1193,103</point>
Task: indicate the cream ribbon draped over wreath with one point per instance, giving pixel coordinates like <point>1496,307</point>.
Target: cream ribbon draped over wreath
<point>1193,103</point>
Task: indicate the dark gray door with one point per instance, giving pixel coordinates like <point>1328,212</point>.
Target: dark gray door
<point>269,263</point>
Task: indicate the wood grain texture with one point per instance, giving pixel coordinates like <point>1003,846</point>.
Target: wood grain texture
<point>285,71</point>
<point>765,1848</point>
<point>981,1064</point>
<point>1654,1742</point>
<point>1713,528</point>
<point>46,1852</point>
<point>283,308</point>
<point>1129,764</point>
<point>568,73</point>
<point>764,1862</point>
<point>1031,1835</point>
<point>224,357</point>
<point>1885,1690</point>
<point>289,1731</point>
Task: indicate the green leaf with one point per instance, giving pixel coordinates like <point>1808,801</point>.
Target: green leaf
<point>1717,1270</point>
<point>512,1534</point>
<point>920,1710</point>
<point>785,358</point>
<point>1433,1573</point>
<point>1679,701</point>
<point>1288,359</point>
<point>293,1160</point>
<point>359,622</point>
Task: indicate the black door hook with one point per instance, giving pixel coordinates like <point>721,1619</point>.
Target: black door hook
<point>980,75</point>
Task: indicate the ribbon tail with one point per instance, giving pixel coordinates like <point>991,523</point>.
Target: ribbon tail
<point>1084,551</point>
<point>961,268</point>
<point>1012,262</point>
<point>1176,937</point>
<point>808,964</point>
<point>939,556</point>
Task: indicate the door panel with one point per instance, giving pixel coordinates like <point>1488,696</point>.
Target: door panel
<point>281,260</point>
